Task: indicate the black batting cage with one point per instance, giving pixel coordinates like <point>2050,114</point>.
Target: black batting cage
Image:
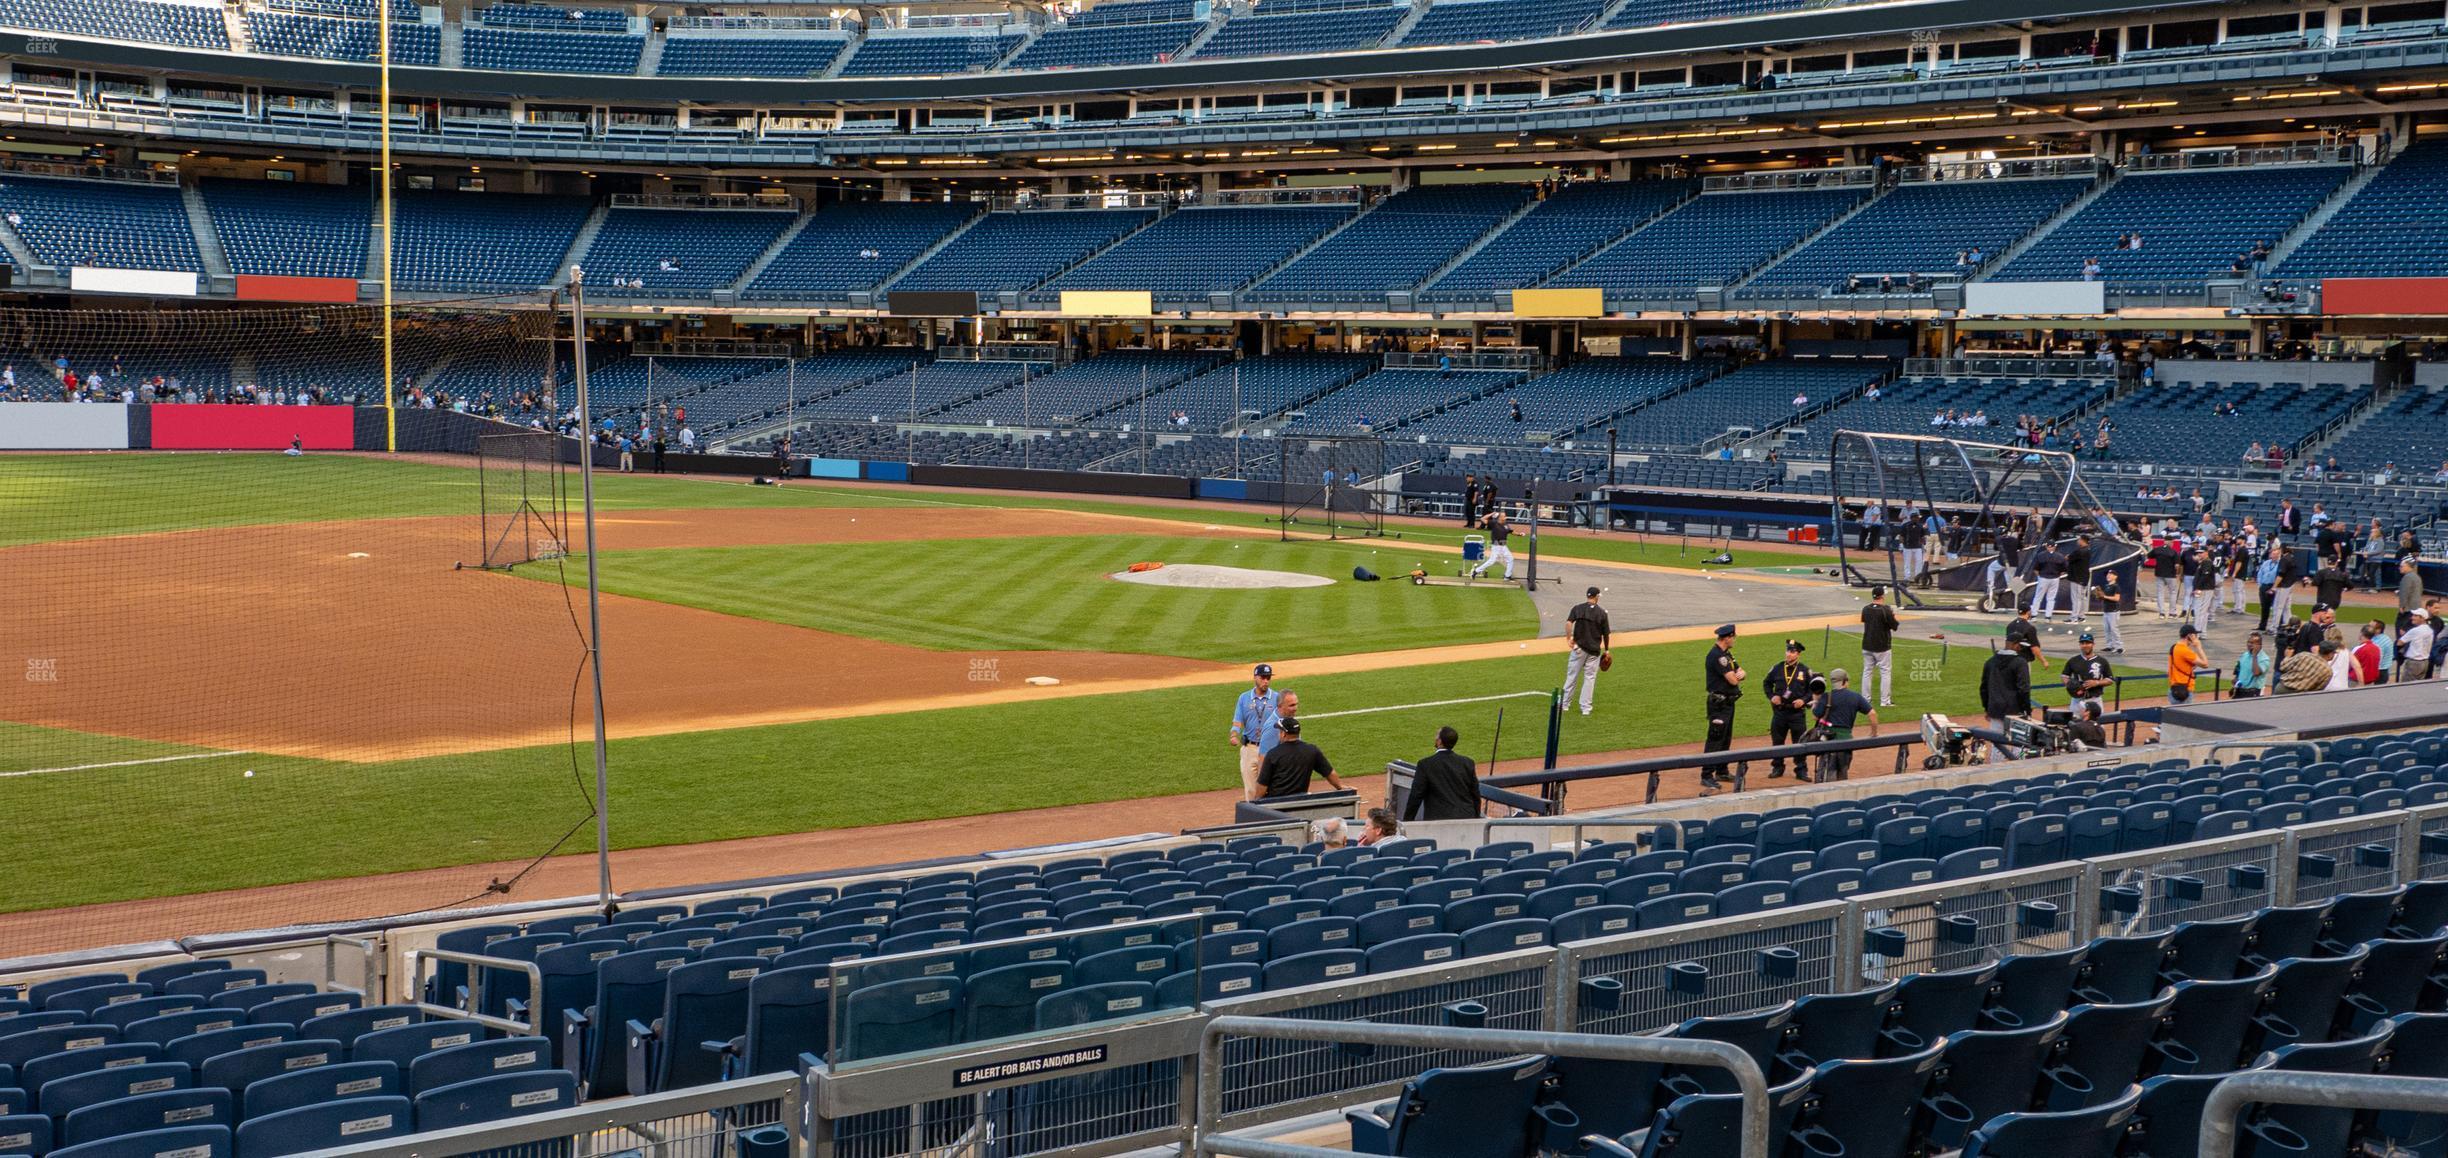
<point>1331,485</point>
<point>1947,522</point>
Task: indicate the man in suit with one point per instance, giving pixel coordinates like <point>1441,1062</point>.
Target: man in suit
<point>1446,784</point>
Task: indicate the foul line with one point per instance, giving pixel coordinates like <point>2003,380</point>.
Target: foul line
<point>124,763</point>
<point>1428,704</point>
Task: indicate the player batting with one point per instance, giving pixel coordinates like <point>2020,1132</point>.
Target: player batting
<point>1499,528</point>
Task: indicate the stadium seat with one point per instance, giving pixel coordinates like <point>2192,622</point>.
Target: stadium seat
<point>1455,1112</point>
<point>290,1091</point>
<point>323,1126</point>
<point>2096,1132</point>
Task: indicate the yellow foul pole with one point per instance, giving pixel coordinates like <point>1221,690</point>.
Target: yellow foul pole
<point>382,175</point>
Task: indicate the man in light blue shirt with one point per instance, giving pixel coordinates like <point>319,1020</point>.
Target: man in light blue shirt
<point>1252,730</point>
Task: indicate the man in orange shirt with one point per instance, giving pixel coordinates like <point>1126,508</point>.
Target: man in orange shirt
<point>2182,660</point>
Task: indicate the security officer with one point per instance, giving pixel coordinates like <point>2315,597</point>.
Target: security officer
<point>1721,679</point>
<point>1249,720</point>
<point>1788,688</point>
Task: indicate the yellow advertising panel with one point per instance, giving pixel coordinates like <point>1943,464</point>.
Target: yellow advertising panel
<point>1560,303</point>
<point>1108,303</point>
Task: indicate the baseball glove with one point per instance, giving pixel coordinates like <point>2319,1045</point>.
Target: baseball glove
<point>1606,660</point>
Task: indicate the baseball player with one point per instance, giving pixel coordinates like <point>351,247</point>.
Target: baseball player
<point>1499,528</point>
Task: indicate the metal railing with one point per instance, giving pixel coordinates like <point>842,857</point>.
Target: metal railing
<point>2231,1097</point>
<point>1512,358</point>
<point>703,1122</point>
<point>1862,175</point>
<point>1655,978</point>
<point>2007,368</point>
<point>2007,168</point>
<point>1319,195</point>
<point>2237,158</point>
<point>705,201</point>
<point>1748,1079</point>
<point>477,964</point>
<point>1671,833</point>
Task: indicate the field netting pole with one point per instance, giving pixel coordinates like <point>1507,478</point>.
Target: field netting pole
<point>586,493</point>
<point>382,25</point>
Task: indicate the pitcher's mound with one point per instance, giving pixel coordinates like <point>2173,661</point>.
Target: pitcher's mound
<point>1230,578</point>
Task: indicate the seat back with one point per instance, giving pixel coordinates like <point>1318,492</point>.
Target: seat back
<point>2096,1132</point>
<point>478,1059</point>
<point>628,987</point>
<point>238,1069</point>
<point>1002,1002</point>
<point>166,1109</point>
<point>323,1126</point>
<point>493,1099</point>
<point>790,1012</point>
<point>185,1141</point>
<point>356,1079</point>
<point>903,1016</point>
<point>706,1001</point>
<point>1467,1111</point>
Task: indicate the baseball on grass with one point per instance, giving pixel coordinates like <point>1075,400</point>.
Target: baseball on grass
<point>250,774</point>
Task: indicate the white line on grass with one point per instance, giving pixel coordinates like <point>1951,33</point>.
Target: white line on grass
<point>124,763</point>
<point>1428,704</point>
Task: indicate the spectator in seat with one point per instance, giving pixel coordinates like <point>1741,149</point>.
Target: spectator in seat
<point>1380,827</point>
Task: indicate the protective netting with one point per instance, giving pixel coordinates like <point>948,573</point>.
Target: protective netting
<point>1943,519</point>
<point>1332,486</point>
<point>260,676</point>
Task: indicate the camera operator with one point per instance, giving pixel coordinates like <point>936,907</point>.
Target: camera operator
<point>2086,726</point>
<point>2005,690</point>
<point>1788,686</point>
<point>1839,708</point>
<point>1721,679</point>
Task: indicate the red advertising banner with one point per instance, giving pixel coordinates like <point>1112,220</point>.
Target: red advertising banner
<point>206,427</point>
<point>255,287</point>
<point>2384,295</point>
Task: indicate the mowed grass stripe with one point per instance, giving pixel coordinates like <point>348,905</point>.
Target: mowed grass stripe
<point>49,497</point>
<point>169,829</point>
<point>1056,593</point>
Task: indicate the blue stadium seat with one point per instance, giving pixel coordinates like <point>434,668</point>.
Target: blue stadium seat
<point>324,1126</point>
<point>1454,1112</point>
<point>143,1113</point>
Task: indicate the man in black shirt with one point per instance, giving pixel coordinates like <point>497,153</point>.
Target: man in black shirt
<point>2111,591</point>
<point>2291,570</point>
<point>1499,528</point>
<point>2005,690</point>
<point>2208,573</point>
<point>1591,638</point>
<point>1838,711</point>
<point>2086,675</point>
<point>2330,583</point>
<point>2167,566</point>
<point>1446,784</point>
<point>1287,769</point>
<point>1787,686</point>
<point>2021,630</point>
<point>2086,727</point>
<point>2048,570</point>
<point>1470,500</point>
<point>2078,576</point>
<point>1913,535</point>
<point>1878,646</point>
<point>1721,679</point>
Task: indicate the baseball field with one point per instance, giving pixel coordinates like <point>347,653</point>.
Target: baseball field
<point>250,670</point>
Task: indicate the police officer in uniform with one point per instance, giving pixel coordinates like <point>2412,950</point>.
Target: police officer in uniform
<point>1721,679</point>
<point>1788,688</point>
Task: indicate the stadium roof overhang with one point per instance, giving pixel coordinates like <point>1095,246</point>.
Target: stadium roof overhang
<point>1379,66</point>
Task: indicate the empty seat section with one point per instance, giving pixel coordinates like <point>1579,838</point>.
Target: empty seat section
<point>1192,253</point>
<point>273,227</point>
<point>2192,225</point>
<point>1712,239</point>
<point>1394,246</point>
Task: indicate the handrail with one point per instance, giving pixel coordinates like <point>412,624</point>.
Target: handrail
<point>1671,832</point>
<point>591,1117</point>
<point>532,1027</point>
<point>1610,1047</point>
<point>2301,1088</point>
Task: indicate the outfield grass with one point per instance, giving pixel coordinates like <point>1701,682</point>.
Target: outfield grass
<point>1052,593</point>
<point>48,497</point>
<point>195,826</point>
<point>73,496</point>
